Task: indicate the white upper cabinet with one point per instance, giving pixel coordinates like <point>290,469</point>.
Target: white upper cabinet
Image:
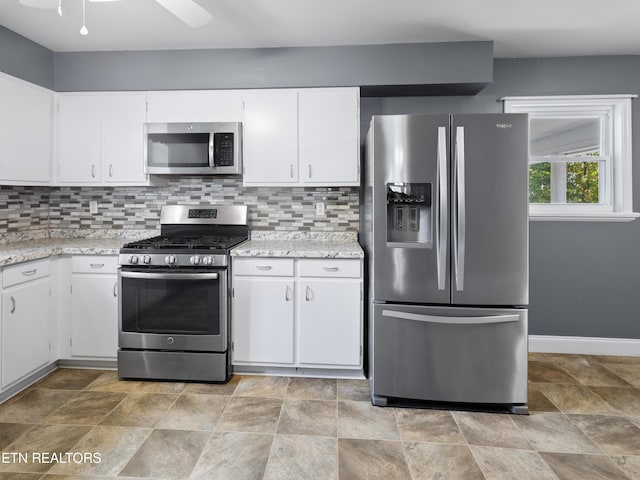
<point>26,114</point>
<point>329,136</point>
<point>100,138</point>
<point>270,137</point>
<point>301,137</point>
<point>195,106</point>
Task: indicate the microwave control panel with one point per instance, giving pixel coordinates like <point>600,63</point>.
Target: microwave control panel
<point>223,149</point>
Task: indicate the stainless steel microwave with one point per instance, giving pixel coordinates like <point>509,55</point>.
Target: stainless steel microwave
<point>193,148</point>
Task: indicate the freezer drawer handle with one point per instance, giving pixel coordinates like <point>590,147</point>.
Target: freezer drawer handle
<point>442,224</point>
<point>451,320</point>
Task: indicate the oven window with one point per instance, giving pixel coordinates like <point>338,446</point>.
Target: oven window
<point>170,306</point>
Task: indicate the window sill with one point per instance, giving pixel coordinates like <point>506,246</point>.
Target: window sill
<point>572,217</point>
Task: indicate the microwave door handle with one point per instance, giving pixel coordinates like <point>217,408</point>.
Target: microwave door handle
<point>212,160</point>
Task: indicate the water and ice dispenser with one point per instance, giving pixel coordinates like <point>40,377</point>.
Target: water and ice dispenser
<point>409,214</point>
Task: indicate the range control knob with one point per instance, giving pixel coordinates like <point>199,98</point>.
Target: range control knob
<point>133,259</point>
<point>170,259</point>
<point>146,259</point>
<point>207,260</point>
<point>195,260</point>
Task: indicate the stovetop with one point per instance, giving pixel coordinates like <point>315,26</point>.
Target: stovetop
<point>214,243</point>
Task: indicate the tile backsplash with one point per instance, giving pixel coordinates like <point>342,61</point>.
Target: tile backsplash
<point>138,208</point>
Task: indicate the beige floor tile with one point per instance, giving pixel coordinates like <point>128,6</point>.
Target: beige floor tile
<point>546,372</point>
<point>116,446</point>
<point>363,420</point>
<point>629,465</point>
<point>140,410</point>
<point>194,412</point>
<point>428,461</point>
<point>10,432</point>
<point>306,457</point>
<point>625,400</point>
<point>613,434</point>
<point>569,466</point>
<point>109,382</point>
<point>250,414</point>
<point>21,476</point>
<point>590,372</point>
<point>538,402</point>
<point>309,417</point>
<point>70,379</point>
<point>86,408</point>
<point>511,464</point>
<point>554,432</point>
<point>234,455</point>
<point>312,389</point>
<point>265,387</point>
<point>427,426</point>
<point>490,429</point>
<point>167,454</point>
<point>357,390</point>
<point>629,372</point>
<point>576,399</point>
<point>160,387</point>
<point>214,388</point>
<point>33,406</point>
<point>616,359</point>
<point>371,460</point>
<point>40,443</point>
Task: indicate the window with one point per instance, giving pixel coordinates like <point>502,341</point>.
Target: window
<point>579,156</point>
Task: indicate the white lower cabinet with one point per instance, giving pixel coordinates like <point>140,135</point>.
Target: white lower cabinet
<point>25,320</point>
<point>303,313</point>
<point>94,306</point>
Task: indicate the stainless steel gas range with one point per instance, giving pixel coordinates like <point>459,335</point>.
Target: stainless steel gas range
<point>174,296</point>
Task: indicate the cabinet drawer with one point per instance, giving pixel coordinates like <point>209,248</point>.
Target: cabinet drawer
<point>24,272</point>
<point>329,268</point>
<point>279,267</point>
<point>94,264</point>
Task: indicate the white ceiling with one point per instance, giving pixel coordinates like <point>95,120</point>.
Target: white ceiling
<point>519,28</point>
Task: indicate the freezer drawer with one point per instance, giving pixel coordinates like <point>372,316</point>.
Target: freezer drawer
<point>447,354</point>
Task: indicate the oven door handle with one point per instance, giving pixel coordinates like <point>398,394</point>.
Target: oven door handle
<point>170,276</point>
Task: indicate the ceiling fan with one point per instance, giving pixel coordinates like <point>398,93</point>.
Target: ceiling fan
<point>186,10</point>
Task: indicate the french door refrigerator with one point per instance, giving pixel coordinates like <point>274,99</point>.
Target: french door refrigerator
<point>445,228</point>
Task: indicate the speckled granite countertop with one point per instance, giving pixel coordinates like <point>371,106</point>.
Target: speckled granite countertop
<point>300,245</point>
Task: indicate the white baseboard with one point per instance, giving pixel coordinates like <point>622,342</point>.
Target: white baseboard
<point>584,345</point>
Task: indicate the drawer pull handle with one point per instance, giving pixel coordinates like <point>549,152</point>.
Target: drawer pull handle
<point>29,273</point>
<point>110,170</point>
<point>331,269</point>
<point>93,171</point>
<point>96,265</point>
<point>308,294</point>
<point>13,304</point>
<point>115,289</point>
<point>291,170</point>
<point>264,267</point>
<point>287,293</point>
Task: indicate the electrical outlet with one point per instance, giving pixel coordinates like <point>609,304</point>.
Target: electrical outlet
<point>320,209</point>
<point>93,207</point>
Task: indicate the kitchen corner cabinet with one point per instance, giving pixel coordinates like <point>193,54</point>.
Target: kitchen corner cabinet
<point>25,320</point>
<point>100,139</point>
<point>303,313</point>
<point>94,306</point>
<point>307,137</point>
<point>25,132</point>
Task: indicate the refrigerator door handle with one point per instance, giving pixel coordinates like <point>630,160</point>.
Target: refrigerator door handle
<point>459,236</point>
<point>442,224</point>
<point>452,320</point>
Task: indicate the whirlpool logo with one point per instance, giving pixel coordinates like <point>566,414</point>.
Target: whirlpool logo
<point>503,125</point>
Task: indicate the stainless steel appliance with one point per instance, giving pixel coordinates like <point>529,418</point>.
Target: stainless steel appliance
<point>445,227</point>
<point>174,296</point>
<point>193,148</point>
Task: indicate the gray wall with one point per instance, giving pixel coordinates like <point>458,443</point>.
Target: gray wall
<point>585,276</point>
<point>25,59</point>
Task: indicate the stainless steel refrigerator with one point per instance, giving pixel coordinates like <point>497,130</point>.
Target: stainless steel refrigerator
<point>445,228</point>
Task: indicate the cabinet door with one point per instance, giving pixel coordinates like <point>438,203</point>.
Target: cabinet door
<point>25,132</point>
<point>123,117</point>
<point>195,106</point>
<point>25,329</point>
<point>262,320</point>
<point>94,315</point>
<point>270,138</point>
<point>329,322</point>
<point>329,136</point>
<point>79,138</point>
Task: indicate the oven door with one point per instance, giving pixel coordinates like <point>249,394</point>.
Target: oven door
<point>173,309</point>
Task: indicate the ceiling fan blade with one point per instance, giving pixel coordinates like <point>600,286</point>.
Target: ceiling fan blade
<point>188,11</point>
<point>50,4</point>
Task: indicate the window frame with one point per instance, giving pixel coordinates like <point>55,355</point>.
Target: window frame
<point>618,182</point>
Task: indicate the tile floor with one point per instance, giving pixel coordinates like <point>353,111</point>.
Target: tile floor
<point>584,424</point>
